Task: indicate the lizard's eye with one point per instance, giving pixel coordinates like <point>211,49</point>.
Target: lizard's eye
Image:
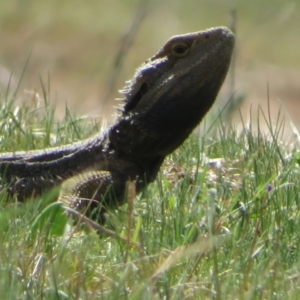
<point>180,49</point>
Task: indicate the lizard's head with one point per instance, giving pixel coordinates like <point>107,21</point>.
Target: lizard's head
<point>172,91</point>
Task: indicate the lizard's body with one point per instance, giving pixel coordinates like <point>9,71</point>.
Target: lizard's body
<point>166,99</point>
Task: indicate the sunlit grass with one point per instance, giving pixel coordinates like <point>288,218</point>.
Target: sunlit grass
<point>221,221</point>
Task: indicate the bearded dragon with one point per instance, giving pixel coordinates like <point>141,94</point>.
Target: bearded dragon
<point>168,96</point>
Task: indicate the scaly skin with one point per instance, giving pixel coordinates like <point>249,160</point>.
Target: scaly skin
<point>168,96</point>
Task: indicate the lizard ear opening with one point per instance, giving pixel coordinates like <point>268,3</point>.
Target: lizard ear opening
<point>134,99</point>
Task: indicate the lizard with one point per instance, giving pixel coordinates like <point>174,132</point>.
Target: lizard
<point>167,98</point>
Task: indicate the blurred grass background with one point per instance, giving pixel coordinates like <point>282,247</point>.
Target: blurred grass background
<point>76,44</point>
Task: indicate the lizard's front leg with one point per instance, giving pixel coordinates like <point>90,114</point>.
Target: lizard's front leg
<point>92,192</point>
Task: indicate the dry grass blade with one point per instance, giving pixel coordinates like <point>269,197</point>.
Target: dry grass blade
<point>100,229</point>
<point>189,251</point>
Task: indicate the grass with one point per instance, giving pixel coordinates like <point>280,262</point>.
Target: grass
<point>220,222</point>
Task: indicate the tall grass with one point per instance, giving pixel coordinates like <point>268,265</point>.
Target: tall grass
<point>220,222</point>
